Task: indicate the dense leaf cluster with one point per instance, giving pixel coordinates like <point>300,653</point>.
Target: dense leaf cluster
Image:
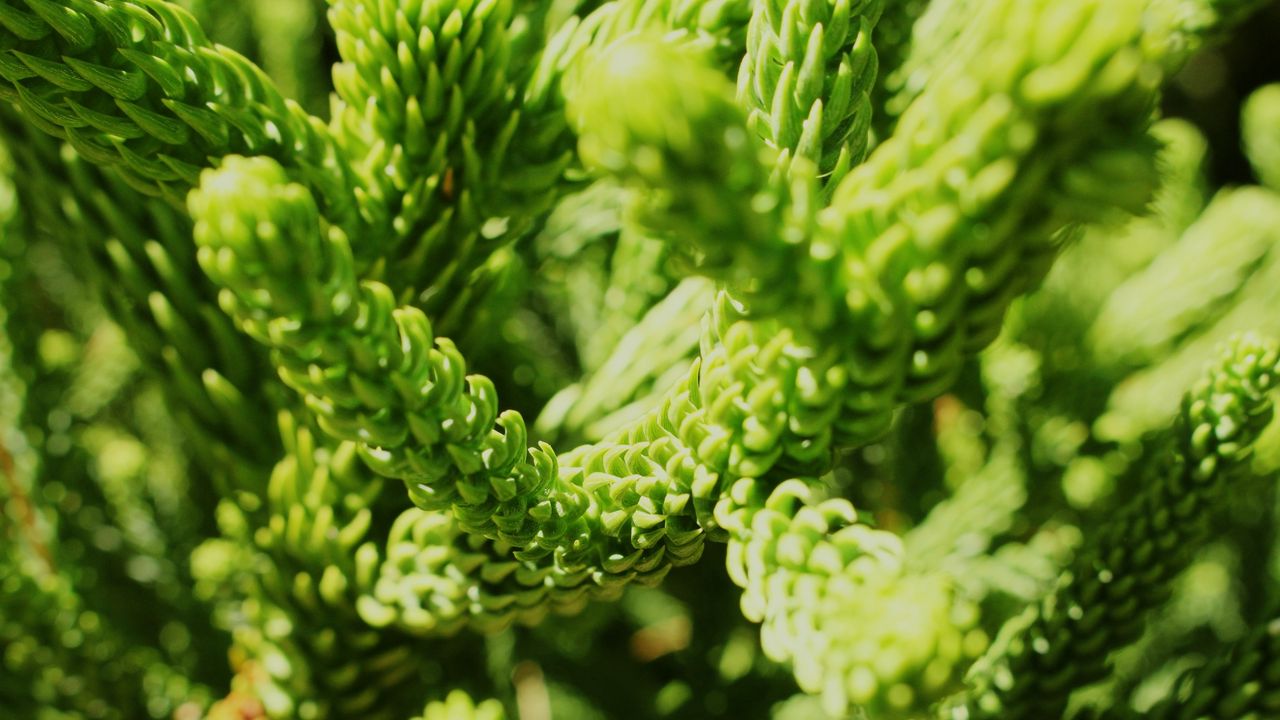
<point>352,408</point>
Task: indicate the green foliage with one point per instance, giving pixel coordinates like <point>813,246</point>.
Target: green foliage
<point>887,307</point>
<point>1262,142</point>
<point>1125,567</point>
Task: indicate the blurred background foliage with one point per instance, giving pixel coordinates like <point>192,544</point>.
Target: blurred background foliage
<point>108,517</point>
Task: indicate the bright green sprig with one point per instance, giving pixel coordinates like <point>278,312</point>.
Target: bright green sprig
<point>405,398</point>
<point>835,603</point>
<point>618,512</point>
<point>713,26</point>
<point>1260,119</point>
<point>441,161</point>
<point>824,330</point>
<point>434,580</point>
<point>961,209</point>
<point>807,78</point>
<point>1062,642</point>
<point>907,329</point>
<point>459,706</point>
<point>652,114</point>
<point>763,395</point>
<point>136,86</point>
<point>381,360</point>
<point>430,108</point>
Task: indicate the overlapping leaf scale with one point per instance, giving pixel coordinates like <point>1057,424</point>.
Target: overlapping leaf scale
<point>137,86</point>
<point>1126,569</point>
<point>807,78</point>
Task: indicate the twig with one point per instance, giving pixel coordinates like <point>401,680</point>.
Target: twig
<point>26,513</point>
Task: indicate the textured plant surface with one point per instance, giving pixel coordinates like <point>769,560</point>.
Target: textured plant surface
<point>451,359</point>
